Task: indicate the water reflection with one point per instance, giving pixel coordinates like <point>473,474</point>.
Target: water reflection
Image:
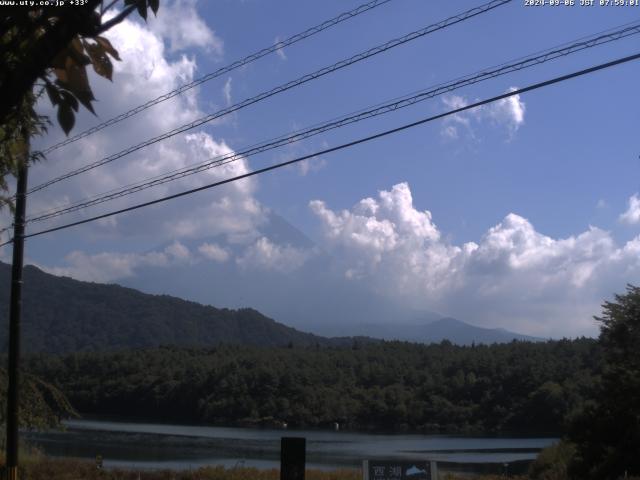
<point>145,446</point>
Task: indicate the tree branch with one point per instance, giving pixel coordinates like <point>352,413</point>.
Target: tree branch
<point>108,7</point>
<point>116,20</point>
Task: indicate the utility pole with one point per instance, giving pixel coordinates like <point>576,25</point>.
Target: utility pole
<point>15,313</point>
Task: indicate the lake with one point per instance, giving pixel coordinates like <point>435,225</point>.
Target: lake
<point>147,445</point>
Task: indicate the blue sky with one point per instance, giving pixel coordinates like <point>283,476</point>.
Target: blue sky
<point>526,198</point>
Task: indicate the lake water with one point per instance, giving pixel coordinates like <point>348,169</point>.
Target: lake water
<point>145,446</point>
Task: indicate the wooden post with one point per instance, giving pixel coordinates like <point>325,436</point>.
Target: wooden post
<point>15,313</point>
<point>292,458</point>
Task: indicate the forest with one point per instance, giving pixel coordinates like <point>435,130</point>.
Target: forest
<point>515,387</point>
<point>586,391</point>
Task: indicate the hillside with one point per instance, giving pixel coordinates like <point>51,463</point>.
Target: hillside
<point>65,315</point>
<point>517,387</point>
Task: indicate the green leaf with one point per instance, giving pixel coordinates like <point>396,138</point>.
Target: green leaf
<point>142,8</point>
<point>85,97</point>
<point>69,100</point>
<point>52,93</point>
<point>18,148</point>
<point>66,118</point>
<point>154,4</point>
<point>76,52</point>
<point>77,77</point>
<point>106,45</point>
<point>100,60</point>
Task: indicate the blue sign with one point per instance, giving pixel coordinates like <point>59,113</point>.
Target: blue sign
<point>398,470</point>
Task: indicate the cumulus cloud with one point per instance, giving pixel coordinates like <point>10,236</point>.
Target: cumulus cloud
<point>180,24</point>
<point>632,215</point>
<point>507,113</point>
<point>110,266</point>
<point>266,255</point>
<point>261,253</point>
<point>146,72</point>
<point>514,276</point>
<point>178,251</point>
<point>214,252</point>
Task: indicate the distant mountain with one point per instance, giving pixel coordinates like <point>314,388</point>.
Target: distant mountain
<point>434,331</point>
<point>315,297</point>
<point>65,315</point>
<point>464,334</point>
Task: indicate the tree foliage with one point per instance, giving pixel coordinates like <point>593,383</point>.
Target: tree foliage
<point>48,49</point>
<point>42,404</point>
<point>518,387</point>
<point>607,433</point>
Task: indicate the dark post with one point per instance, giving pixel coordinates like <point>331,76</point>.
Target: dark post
<point>292,458</point>
<point>14,323</point>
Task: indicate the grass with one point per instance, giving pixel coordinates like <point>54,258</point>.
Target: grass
<point>40,467</point>
<point>35,466</point>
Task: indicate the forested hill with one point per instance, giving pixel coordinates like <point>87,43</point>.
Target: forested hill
<point>512,387</point>
<point>65,315</point>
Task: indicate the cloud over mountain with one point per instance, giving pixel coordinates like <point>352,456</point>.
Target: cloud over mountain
<point>513,276</point>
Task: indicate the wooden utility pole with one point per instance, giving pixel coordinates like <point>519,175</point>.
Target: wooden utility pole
<point>292,458</point>
<point>15,313</point>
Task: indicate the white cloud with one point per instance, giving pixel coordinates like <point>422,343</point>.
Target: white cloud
<point>214,252</point>
<point>110,266</point>
<point>452,123</point>
<point>266,255</point>
<point>180,24</point>
<point>508,113</point>
<point>632,215</point>
<point>313,164</point>
<point>226,91</point>
<point>144,73</point>
<point>514,276</point>
<point>178,251</point>
<point>455,102</point>
<point>279,50</point>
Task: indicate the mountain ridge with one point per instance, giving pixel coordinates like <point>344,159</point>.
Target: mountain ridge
<point>62,315</point>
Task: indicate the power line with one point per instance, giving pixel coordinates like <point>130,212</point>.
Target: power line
<point>343,146</point>
<point>284,87</point>
<point>492,72</point>
<point>221,71</point>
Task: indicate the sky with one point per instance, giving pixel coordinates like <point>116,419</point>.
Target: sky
<point>522,214</point>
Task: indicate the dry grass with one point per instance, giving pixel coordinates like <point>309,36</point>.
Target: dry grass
<point>38,467</point>
<point>35,466</point>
